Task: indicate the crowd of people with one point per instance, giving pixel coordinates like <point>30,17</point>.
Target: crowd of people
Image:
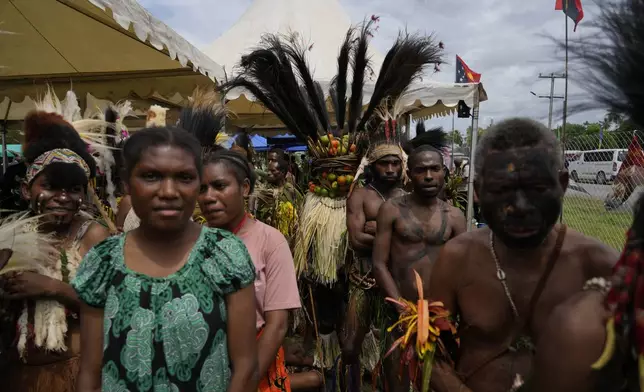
<point>196,286</point>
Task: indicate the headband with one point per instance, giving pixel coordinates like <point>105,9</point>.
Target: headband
<point>62,155</point>
<point>383,150</point>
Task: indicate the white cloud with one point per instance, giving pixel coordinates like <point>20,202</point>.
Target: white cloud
<point>509,43</point>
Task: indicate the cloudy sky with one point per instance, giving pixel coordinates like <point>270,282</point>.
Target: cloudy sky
<point>508,42</point>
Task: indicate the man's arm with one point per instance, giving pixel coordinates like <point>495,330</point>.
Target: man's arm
<point>355,222</point>
<point>382,247</point>
<point>443,286</point>
<point>572,340</point>
<point>459,223</point>
<point>601,259</point>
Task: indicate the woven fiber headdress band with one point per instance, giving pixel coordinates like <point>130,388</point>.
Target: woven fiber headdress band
<point>62,155</point>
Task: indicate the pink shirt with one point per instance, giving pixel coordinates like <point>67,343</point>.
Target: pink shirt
<point>275,284</point>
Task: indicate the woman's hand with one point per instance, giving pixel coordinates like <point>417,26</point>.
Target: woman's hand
<point>24,284</point>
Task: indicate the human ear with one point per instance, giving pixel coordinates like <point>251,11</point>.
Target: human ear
<point>24,190</point>
<point>564,179</point>
<point>246,188</point>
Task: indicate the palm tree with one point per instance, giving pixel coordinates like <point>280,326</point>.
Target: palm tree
<point>613,118</point>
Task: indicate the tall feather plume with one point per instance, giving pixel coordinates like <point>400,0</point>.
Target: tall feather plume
<point>360,65</point>
<point>403,64</point>
<point>70,109</point>
<point>614,57</point>
<point>50,103</point>
<point>434,137</point>
<point>268,74</point>
<point>204,117</point>
<point>338,90</point>
<point>296,50</point>
<point>420,128</point>
<point>111,116</point>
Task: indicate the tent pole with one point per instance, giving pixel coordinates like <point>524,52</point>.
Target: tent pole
<point>451,158</point>
<point>470,177</point>
<point>5,160</point>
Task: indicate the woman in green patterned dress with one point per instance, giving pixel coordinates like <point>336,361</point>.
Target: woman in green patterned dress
<point>169,306</point>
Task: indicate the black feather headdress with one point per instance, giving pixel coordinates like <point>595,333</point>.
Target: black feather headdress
<point>435,137</point>
<point>614,58</point>
<point>204,117</point>
<point>403,64</point>
<point>277,75</point>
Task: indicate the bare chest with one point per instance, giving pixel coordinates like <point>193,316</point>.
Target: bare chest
<point>372,205</point>
<point>486,305</point>
<point>427,227</point>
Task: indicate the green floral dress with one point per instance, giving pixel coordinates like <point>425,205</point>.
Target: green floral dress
<point>165,334</point>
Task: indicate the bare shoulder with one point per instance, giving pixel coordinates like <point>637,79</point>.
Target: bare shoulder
<point>398,192</point>
<point>458,246</point>
<point>95,233</point>
<point>357,197</point>
<point>390,209</point>
<point>455,212</point>
<point>598,258</point>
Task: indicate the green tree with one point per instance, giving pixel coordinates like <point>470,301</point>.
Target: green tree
<point>455,137</point>
<point>468,134</point>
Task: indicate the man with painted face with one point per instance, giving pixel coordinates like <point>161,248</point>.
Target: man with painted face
<point>503,281</point>
<point>411,230</point>
<point>385,168</point>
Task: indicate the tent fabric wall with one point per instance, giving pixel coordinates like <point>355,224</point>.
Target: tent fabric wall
<point>322,24</point>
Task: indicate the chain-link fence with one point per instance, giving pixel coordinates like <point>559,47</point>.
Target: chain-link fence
<point>606,171</point>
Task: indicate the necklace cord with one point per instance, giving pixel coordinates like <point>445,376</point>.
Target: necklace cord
<point>521,323</point>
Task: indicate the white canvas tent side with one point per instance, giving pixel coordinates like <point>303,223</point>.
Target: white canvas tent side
<point>322,24</point>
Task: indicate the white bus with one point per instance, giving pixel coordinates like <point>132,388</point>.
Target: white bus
<point>600,166</point>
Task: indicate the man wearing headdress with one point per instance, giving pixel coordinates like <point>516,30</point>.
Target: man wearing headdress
<point>385,169</point>
<point>276,202</point>
<point>411,230</point>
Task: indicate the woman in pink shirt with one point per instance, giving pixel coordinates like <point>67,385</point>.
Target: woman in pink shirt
<point>227,179</point>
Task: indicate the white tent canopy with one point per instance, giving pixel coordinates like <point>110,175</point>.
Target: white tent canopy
<point>110,48</point>
<point>321,23</point>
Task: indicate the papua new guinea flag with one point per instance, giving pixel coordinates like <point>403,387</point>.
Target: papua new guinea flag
<point>572,9</point>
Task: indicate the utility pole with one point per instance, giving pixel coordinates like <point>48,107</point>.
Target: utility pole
<point>552,95</point>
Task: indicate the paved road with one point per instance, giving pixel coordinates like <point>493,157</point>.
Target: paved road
<point>599,191</point>
<point>595,191</point>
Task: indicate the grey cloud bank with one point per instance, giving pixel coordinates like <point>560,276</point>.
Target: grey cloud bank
<point>508,42</point>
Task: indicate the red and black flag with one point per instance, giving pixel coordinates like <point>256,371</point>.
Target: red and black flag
<point>465,75</point>
<point>572,9</point>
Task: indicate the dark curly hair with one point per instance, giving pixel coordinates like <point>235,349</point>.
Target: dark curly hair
<point>45,132</point>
